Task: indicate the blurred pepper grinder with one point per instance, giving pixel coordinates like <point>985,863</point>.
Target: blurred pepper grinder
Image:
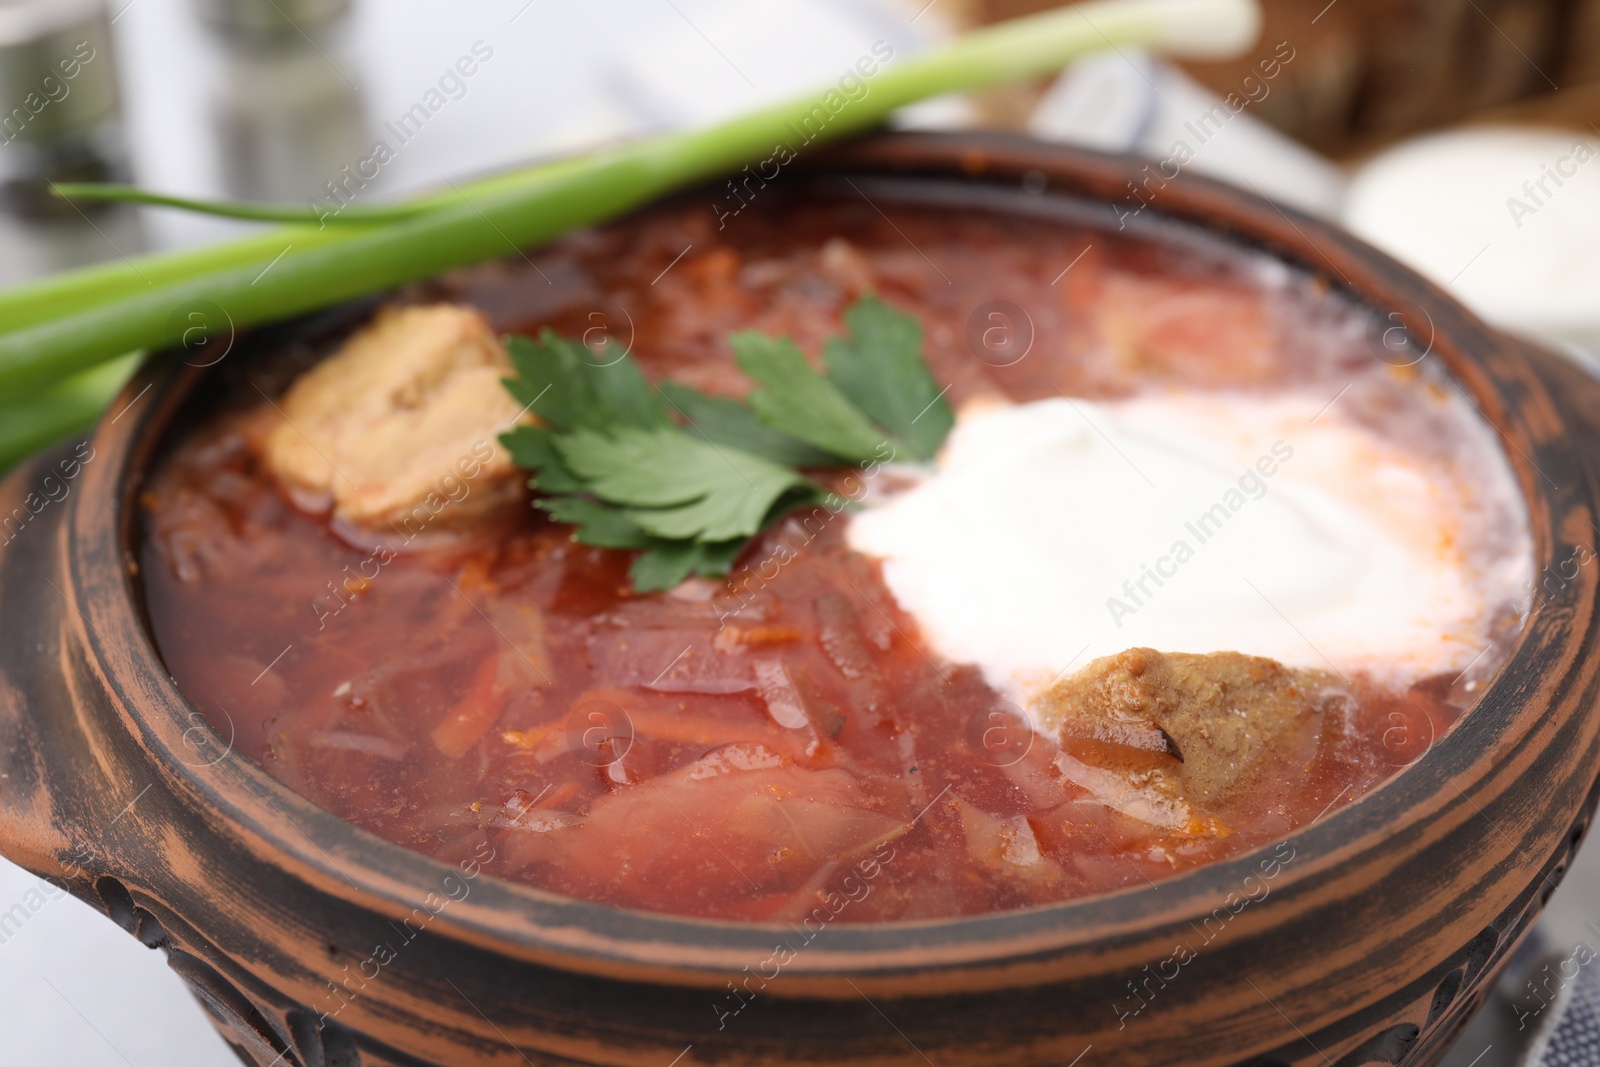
<point>59,105</point>
<point>287,105</point>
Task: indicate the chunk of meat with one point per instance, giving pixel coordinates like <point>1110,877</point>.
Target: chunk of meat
<point>1200,728</point>
<point>404,417</point>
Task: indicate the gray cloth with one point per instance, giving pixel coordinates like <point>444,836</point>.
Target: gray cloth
<point>1570,1034</point>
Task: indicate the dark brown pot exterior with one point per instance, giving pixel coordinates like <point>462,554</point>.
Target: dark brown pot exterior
<point>313,943</point>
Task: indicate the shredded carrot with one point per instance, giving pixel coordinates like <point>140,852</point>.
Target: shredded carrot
<point>563,793</point>
<point>476,713</point>
<point>525,740</point>
<point>734,638</point>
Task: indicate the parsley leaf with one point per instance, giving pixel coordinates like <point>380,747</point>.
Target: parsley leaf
<point>533,449</point>
<point>610,459</point>
<point>662,564</point>
<point>671,562</point>
<point>723,420</point>
<point>675,486</point>
<point>572,390</point>
<point>598,524</point>
<point>798,401</point>
<point>879,368</point>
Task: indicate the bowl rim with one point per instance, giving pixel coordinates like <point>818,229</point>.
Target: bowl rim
<point>997,949</point>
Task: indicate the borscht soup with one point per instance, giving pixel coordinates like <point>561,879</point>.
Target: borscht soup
<point>873,557</point>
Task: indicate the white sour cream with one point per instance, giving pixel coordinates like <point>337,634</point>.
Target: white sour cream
<point>1058,531</point>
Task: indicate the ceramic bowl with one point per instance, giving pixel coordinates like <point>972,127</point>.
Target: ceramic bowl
<point>1378,939</point>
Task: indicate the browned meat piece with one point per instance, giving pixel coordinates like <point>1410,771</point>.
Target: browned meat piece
<point>1201,727</point>
<point>405,415</point>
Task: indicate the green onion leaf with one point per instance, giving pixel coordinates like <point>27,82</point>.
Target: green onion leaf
<point>301,214</point>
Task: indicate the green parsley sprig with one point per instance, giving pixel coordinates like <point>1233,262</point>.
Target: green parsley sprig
<point>686,478</point>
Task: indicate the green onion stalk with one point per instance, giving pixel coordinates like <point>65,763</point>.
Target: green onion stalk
<point>68,407</point>
<point>62,326</point>
<point>67,292</point>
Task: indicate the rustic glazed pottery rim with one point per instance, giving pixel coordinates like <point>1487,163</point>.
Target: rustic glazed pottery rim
<point>996,949</point>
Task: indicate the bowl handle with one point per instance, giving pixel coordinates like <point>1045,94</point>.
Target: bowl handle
<point>44,755</point>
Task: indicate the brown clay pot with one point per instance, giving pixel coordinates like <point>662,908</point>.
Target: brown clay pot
<point>1374,945</point>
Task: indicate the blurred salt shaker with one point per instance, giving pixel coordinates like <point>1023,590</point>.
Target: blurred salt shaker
<point>59,103</point>
<point>286,105</point>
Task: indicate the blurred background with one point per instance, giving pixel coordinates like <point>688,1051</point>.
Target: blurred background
<point>1460,135</point>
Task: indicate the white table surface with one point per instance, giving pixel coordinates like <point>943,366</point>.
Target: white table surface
<point>76,990</point>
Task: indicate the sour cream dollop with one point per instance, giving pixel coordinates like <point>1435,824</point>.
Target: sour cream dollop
<point>1058,531</point>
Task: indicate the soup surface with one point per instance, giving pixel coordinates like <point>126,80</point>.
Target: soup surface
<point>473,683</point>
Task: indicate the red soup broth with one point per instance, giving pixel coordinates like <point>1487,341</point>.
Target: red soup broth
<point>742,749</point>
